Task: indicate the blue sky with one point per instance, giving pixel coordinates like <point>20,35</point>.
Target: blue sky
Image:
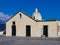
<point>49,9</point>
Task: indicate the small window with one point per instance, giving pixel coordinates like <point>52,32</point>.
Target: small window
<point>37,19</point>
<point>34,17</point>
<point>20,16</point>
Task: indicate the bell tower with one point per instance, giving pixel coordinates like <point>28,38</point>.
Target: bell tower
<point>36,15</point>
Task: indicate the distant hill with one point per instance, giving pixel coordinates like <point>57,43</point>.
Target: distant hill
<point>3,18</point>
<point>2,27</point>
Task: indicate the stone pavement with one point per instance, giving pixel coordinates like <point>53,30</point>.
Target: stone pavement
<point>28,41</point>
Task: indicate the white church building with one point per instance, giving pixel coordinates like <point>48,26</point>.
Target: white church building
<point>25,26</point>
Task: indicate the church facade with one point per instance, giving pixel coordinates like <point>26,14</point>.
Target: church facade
<point>25,26</point>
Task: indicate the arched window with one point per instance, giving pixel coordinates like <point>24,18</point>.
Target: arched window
<point>34,17</point>
<point>20,16</point>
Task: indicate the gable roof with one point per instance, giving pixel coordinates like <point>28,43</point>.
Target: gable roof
<point>21,12</point>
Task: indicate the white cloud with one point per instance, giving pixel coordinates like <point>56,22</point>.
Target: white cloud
<point>4,17</point>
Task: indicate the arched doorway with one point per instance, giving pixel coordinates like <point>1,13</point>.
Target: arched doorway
<point>13,29</point>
